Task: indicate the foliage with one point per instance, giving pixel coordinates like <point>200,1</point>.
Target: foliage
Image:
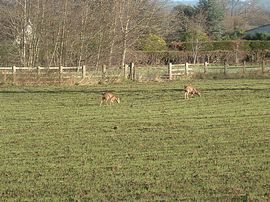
<point>153,146</point>
<point>245,45</point>
<point>223,45</point>
<point>195,34</point>
<point>213,46</point>
<point>207,15</point>
<point>233,35</point>
<point>180,22</point>
<point>230,45</point>
<point>258,36</point>
<point>7,50</point>
<point>214,16</point>
<point>259,45</point>
<point>183,14</point>
<point>151,43</point>
<point>76,30</point>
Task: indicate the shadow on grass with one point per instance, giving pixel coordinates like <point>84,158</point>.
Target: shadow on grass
<point>143,91</point>
<point>235,89</point>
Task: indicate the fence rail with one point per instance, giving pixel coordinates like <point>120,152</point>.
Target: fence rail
<point>34,73</point>
<point>14,68</point>
<point>182,69</point>
<point>133,72</point>
<point>186,69</point>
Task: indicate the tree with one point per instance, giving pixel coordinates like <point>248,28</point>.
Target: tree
<point>241,15</point>
<point>196,36</point>
<point>68,32</point>
<point>134,17</point>
<point>214,16</point>
<point>180,22</point>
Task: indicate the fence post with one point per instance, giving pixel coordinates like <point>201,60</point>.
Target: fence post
<point>186,68</point>
<point>205,67</point>
<point>4,75</point>
<point>170,71</point>
<point>83,72</point>
<point>134,72</point>
<point>225,67</point>
<point>13,69</point>
<point>103,71</point>
<point>263,64</point>
<point>60,69</point>
<point>38,70</point>
<point>131,71</point>
<point>14,74</point>
<point>125,71</point>
<point>60,74</point>
<point>236,53</point>
<point>244,67</point>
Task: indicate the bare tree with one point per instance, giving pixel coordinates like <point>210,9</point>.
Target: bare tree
<point>68,32</point>
<point>241,15</point>
<point>134,18</point>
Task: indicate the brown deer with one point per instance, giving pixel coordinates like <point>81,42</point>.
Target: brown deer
<point>109,97</point>
<point>190,90</point>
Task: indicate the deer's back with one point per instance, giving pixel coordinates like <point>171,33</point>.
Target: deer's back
<point>107,95</point>
<point>189,88</point>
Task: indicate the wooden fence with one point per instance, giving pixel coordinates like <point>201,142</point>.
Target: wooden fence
<point>52,75</point>
<point>178,70</point>
<point>175,70</point>
<point>58,73</point>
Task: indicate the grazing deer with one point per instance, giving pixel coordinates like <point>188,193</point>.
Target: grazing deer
<point>109,97</point>
<point>190,90</point>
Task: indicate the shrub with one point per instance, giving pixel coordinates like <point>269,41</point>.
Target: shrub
<point>7,49</point>
<point>258,36</point>
<point>260,45</point>
<point>243,45</point>
<point>151,43</point>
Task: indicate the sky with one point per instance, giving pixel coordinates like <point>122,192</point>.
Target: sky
<point>187,1</point>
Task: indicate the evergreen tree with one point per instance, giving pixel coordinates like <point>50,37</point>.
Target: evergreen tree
<point>214,17</point>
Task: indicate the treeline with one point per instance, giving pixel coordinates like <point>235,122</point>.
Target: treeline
<point>237,45</point>
<point>110,32</point>
<point>72,32</point>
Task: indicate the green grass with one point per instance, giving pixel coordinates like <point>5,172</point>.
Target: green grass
<point>57,144</point>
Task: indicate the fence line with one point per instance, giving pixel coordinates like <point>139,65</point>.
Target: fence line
<point>186,69</point>
<point>243,67</point>
<point>131,71</point>
<point>15,71</point>
<point>14,68</point>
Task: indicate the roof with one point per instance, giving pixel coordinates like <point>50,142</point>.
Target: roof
<point>260,29</point>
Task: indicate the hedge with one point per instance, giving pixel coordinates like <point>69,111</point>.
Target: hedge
<point>243,45</point>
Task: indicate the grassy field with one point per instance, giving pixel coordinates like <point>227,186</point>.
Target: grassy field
<point>58,144</point>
